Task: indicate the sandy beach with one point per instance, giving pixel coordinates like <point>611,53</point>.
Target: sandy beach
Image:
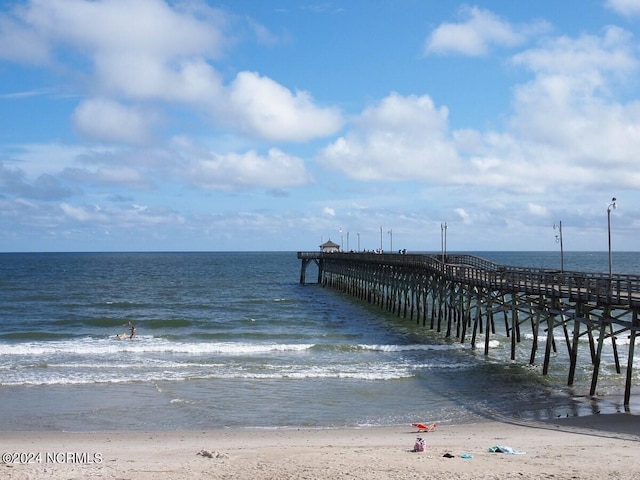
<point>592,447</point>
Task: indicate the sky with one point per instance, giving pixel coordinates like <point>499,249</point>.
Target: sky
<point>254,125</point>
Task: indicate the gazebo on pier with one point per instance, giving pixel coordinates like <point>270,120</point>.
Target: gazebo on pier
<point>329,247</point>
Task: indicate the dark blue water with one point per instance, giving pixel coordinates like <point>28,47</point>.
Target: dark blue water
<point>232,339</point>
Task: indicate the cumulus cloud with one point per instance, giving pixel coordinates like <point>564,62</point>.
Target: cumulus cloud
<point>613,52</point>
<point>154,51</point>
<point>629,8</point>
<point>537,210</point>
<point>567,127</point>
<point>478,31</point>
<point>400,138</point>
<point>329,211</point>
<point>20,43</point>
<point>234,170</point>
<point>463,215</point>
<point>109,121</point>
<point>15,182</point>
<point>150,27</point>
<point>262,106</point>
<point>569,113</point>
<point>124,217</point>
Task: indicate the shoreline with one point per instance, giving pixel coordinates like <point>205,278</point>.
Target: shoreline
<point>586,447</point>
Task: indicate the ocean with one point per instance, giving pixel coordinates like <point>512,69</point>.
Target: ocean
<point>232,340</point>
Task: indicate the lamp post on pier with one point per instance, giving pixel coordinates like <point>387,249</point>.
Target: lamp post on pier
<point>443,240</point>
<point>390,241</point>
<point>559,239</point>
<point>381,249</point>
<point>358,242</point>
<point>612,206</point>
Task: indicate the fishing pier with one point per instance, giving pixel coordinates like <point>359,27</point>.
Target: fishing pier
<point>467,297</point>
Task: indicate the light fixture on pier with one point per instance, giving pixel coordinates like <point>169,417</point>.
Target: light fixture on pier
<point>612,206</point>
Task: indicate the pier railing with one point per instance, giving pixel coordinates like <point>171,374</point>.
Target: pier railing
<point>599,288</point>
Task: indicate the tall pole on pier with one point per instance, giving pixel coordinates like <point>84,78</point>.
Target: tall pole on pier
<point>443,240</point>
<point>381,249</point>
<point>390,241</point>
<point>559,239</point>
<point>358,241</point>
<point>611,206</point>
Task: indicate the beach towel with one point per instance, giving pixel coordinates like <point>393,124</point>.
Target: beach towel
<point>504,449</point>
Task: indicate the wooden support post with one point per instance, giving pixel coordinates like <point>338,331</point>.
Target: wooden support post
<point>614,346</point>
<point>448,309</point>
<point>303,270</point>
<point>440,314</point>
<point>534,346</point>
<point>596,366</point>
<point>413,301</point>
<point>466,314</point>
<point>565,330</point>
<point>475,326</point>
<point>434,304</point>
<point>574,349</point>
<point>320,264</point>
<point>425,308</point>
<point>547,349</point>
<point>487,332</point>
<point>592,346</point>
<point>632,344</point>
<point>514,325</point>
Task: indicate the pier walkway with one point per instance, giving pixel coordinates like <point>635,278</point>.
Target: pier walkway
<point>464,296</point>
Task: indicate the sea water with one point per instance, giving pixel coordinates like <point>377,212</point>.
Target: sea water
<point>233,340</point>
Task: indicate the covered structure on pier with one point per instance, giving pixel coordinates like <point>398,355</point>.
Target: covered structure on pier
<point>329,247</point>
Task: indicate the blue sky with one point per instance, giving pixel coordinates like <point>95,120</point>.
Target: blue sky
<point>275,125</point>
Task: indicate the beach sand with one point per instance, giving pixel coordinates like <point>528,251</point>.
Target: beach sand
<point>591,447</point>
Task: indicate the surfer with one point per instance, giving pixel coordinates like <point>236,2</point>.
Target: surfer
<point>132,331</point>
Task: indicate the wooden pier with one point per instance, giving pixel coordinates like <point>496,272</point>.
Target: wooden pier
<point>464,296</point>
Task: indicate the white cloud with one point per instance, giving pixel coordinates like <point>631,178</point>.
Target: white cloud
<point>627,8</point>
<point>154,51</point>
<point>82,214</point>
<point>567,128</point>
<point>463,215</point>
<point>537,210</point>
<point>124,217</point>
<point>477,33</point>
<point>262,106</point>
<point>106,120</point>
<point>19,43</point>
<point>148,27</point>
<point>233,170</point>
<point>614,52</point>
<point>401,138</point>
<point>568,113</point>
